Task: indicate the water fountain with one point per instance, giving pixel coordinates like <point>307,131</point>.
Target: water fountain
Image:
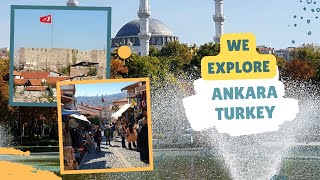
<point>223,157</point>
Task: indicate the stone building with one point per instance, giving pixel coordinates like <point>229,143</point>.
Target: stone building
<point>87,69</point>
<point>52,59</point>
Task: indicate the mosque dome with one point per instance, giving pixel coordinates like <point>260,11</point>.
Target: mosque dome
<point>156,27</point>
<point>128,34</point>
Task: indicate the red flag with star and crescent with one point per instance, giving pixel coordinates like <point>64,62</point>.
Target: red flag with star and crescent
<point>46,19</point>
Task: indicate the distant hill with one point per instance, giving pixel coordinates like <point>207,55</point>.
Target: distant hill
<point>97,100</point>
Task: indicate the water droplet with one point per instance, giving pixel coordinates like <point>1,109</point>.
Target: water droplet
<point>295,25</point>
<point>308,21</point>
<point>309,1</point>
<point>309,33</point>
<point>304,8</point>
<point>318,9</point>
<point>315,3</point>
<point>293,41</point>
<point>317,17</point>
<point>294,16</point>
<point>312,10</point>
<point>301,17</point>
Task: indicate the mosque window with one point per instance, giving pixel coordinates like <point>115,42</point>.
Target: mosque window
<point>153,41</point>
<point>161,40</point>
<point>156,41</point>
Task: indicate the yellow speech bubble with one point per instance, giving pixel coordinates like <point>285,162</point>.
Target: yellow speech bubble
<point>238,59</point>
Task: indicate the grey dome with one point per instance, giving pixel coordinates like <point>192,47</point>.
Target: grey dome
<point>132,28</point>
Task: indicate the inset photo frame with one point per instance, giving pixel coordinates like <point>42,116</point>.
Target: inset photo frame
<point>104,126</point>
<point>56,43</point>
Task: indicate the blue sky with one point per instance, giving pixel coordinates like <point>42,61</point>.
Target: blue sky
<point>271,21</point>
<point>100,88</point>
<point>70,29</point>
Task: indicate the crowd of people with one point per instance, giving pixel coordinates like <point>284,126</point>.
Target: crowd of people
<point>135,132</point>
<point>132,132</point>
<point>81,137</point>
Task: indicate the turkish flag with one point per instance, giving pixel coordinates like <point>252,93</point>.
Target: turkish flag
<point>46,19</point>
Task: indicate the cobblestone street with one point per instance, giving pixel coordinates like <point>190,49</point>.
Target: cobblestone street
<point>112,157</point>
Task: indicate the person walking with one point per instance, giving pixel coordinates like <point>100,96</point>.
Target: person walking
<point>97,138</point>
<point>107,134</point>
<point>131,136</point>
<point>144,141</point>
<point>122,132</point>
<point>113,129</point>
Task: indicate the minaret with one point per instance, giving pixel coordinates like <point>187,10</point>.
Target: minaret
<point>144,35</point>
<point>218,19</point>
<point>72,3</point>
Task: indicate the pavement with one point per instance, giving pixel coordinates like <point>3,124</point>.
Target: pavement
<point>112,157</point>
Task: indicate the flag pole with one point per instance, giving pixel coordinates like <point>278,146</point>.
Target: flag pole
<point>51,37</point>
<point>51,30</point>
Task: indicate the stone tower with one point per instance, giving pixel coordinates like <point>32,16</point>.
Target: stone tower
<point>144,35</point>
<point>218,19</point>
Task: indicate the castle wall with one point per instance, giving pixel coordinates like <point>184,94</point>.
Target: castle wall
<point>38,59</point>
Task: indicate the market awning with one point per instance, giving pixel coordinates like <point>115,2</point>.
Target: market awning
<point>121,110</point>
<point>80,117</point>
<point>68,112</point>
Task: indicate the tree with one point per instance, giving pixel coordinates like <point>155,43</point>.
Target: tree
<point>6,111</point>
<point>117,68</point>
<point>154,52</point>
<point>65,70</point>
<point>208,49</point>
<point>310,54</point>
<point>300,70</point>
<point>280,62</point>
<point>176,55</point>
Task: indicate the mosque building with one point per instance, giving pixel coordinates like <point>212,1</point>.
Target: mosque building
<point>144,32</point>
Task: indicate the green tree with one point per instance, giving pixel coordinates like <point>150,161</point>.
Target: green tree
<point>176,55</point>
<point>208,49</point>
<point>154,52</point>
<point>65,70</point>
<point>280,62</point>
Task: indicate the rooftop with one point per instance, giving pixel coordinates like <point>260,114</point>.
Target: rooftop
<point>36,88</point>
<point>132,86</point>
<point>35,75</point>
<point>34,82</point>
<point>54,80</point>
